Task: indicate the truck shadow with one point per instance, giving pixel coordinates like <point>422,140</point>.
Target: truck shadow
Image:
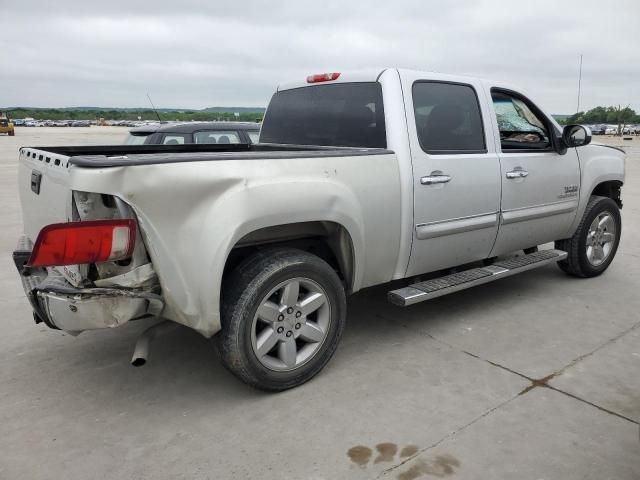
<point>184,366</point>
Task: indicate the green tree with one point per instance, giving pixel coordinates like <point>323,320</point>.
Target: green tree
<point>611,115</point>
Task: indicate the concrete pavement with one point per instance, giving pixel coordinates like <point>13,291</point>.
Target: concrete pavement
<point>535,377</point>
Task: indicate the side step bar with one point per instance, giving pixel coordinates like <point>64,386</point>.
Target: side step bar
<point>437,287</point>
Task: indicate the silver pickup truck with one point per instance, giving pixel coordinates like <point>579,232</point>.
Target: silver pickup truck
<point>359,179</point>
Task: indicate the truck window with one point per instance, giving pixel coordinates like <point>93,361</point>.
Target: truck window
<point>174,139</point>
<point>520,128</point>
<point>338,115</point>
<point>448,118</point>
<point>253,135</point>
<point>136,139</point>
<point>217,136</point>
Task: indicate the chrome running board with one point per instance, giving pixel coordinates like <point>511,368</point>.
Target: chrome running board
<point>437,287</point>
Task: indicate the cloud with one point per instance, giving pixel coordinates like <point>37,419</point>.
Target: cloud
<point>195,54</point>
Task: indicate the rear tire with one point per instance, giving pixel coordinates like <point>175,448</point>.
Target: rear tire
<point>595,242</point>
<point>283,315</point>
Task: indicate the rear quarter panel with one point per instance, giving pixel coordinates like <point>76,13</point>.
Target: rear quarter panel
<point>193,213</point>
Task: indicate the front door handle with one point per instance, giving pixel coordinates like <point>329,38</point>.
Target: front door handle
<point>517,174</point>
<point>435,177</point>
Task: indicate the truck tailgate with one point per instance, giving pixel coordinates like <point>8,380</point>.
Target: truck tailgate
<point>45,195</point>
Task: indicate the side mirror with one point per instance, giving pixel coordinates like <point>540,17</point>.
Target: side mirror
<point>576,136</point>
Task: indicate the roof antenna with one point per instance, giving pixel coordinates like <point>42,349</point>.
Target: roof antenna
<point>579,83</point>
<point>154,107</point>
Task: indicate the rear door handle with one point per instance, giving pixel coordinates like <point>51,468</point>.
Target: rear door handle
<point>435,177</point>
<point>517,174</point>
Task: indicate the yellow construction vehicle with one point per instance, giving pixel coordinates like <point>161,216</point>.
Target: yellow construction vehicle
<point>6,126</point>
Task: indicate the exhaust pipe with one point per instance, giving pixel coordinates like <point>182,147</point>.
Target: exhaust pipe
<point>141,350</point>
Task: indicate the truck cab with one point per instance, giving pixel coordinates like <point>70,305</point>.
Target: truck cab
<point>484,171</point>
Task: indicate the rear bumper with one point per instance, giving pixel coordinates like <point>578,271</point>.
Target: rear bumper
<point>62,306</point>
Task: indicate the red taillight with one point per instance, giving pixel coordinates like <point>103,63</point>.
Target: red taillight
<point>322,77</point>
<point>93,241</point>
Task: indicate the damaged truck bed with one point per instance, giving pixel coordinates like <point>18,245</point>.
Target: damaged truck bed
<point>165,190</point>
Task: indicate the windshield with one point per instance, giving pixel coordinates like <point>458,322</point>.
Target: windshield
<point>137,139</point>
<point>340,115</point>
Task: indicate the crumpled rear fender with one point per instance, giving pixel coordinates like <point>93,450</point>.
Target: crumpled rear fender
<point>192,214</point>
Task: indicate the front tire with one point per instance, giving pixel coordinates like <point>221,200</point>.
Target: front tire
<point>283,314</point>
<point>595,242</point>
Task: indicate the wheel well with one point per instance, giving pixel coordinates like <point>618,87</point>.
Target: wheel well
<point>327,240</point>
<point>609,189</point>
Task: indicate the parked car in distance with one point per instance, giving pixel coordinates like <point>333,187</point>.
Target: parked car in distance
<point>358,179</point>
<point>629,130</point>
<point>611,130</point>
<point>194,132</point>
<point>598,129</point>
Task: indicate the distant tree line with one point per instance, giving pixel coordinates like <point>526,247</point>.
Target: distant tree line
<point>609,115</point>
<point>173,115</point>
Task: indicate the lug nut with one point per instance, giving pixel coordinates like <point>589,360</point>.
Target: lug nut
<point>289,333</point>
<point>280,317</point>
<point>298,314</point>
<point>280,329</point>
<point>289,310</point>
<point>297,326</point>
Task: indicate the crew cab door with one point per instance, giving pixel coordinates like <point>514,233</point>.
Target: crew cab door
<point>456,172</point>
<point>539,186</point>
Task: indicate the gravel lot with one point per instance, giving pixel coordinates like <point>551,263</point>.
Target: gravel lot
<point>449,388</point>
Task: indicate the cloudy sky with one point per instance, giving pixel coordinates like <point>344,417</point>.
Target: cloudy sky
<point>194,54</point>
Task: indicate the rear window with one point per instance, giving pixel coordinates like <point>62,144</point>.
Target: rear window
<point>174,139</point>
<point>253,135</point>
<point>338,115</point>
<point>216,137</point>
<point>137,139</point>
